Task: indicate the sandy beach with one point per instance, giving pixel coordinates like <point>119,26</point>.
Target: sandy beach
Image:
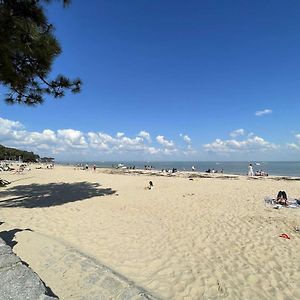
<point>205,238</point>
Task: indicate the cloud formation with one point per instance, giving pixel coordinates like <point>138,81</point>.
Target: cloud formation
<point>71,144</point>
<point>237,132</point>
<point>120,134</point>
<point>293,146</point>
<point>296,144</point>
<point>68,142</point>
<point>164,142</point>
<point>263,112</point>
<point>185,138</point>
<point>250,144</point>
<point>145,135</point>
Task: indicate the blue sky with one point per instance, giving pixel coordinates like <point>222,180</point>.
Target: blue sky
<point>169,80</point>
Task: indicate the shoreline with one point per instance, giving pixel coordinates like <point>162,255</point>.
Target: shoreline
<point>168,170</point>
<point>194,174</point>
<point>188,169</point>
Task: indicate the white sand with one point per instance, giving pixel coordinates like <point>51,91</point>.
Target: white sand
<point>206,238</point>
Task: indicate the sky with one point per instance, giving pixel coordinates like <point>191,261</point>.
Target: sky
<point>169,80</point>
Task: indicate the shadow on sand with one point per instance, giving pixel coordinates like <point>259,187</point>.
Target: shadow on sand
<point>52,194</point>
<point>8,236</point>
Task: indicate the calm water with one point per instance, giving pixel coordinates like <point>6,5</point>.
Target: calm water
<point>291,168</point>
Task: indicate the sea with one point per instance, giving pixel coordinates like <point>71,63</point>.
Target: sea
<point>276,168</point>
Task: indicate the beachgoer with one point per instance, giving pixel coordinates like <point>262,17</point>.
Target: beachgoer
<point>150,185</point>
<point>250,170</point>
<point>4,182</point>
<point>282,198</point>
<point>193,168</point>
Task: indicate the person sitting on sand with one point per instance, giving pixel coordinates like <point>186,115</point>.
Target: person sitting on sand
<point>150,185</point>
<point>282,198</point>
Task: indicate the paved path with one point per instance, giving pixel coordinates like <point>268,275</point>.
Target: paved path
<point>17,281</point>
<point>88,279</point>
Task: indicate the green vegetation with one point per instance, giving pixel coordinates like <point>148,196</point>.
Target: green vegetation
<point>27,50</point>
<point>14,154</point>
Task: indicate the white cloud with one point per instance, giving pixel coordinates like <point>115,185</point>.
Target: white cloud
<point>131,144</point>
<point>69,134</point>
<point>120,134</point>
<point>99,141</point>
<point>293,146</point>
<point>37,138</point>
<point>164,142</point>
<point>103,141</point>
<point>8,124</point>
<point>106,138</point>
<point>145,135</point>
<point>11,130</point>
<point>263,112</point>
<point>186,138</point>
<point>73,138</point>
<point>168,151</point>
<point>152,150</point>
<point>68,142</point>
<point>189,150</point>
<point>237,132</point>
<point>251,144</point>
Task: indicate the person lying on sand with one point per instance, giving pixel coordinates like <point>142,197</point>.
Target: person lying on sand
<point>282,198</point>
<point>4,182</point>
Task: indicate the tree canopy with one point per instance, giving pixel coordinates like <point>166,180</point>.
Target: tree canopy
<point>14,154</point>
<point>28,48</point>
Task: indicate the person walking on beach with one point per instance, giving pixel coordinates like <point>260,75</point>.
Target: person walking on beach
<point>250,171</point>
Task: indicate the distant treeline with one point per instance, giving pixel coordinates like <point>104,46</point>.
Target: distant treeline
<point>14,154</point>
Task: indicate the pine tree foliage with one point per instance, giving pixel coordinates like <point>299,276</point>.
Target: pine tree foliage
<point>28,48</point>
<point>14,154</point>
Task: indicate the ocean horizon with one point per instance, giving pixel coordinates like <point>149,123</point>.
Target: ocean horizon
<point>276,168</point>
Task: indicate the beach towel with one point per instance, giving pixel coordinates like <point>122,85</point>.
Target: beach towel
<point>292,203</point>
